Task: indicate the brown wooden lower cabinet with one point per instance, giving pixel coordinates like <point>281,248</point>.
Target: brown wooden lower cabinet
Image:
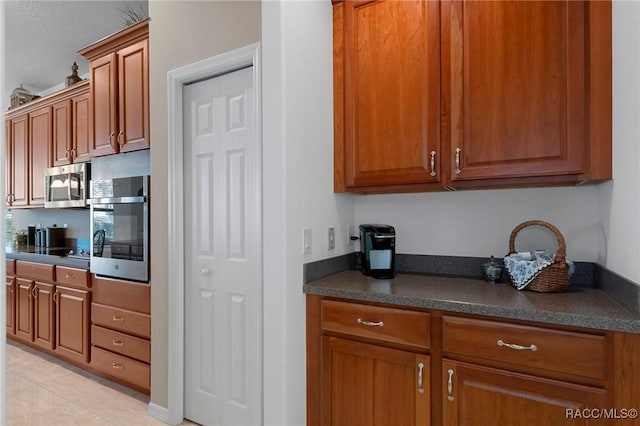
<point>373,385</point>
<point>11,305</point>
<point>121,331</point>
<point>484,396</point>
<point>44,315</point>
<point>72,323</point>
<point>476,370</point>
<point>55,308</point>
<point>24,309</point>
<point>128,370</point>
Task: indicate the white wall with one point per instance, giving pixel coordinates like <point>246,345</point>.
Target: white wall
<point>619,200</point>
<point>181,32</point>
<point>479,223</point>
<point>298,141</point>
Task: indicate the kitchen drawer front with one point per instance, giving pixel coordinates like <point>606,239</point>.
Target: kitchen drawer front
<point>35,271</point>
<point>11,267</point>
<point>73,277</point>
<point>581,354</point>
<point>121,320</point>
<point>405,327</point>
<point>129,370</point>
<point>122,294</point>
<point>121,343</point>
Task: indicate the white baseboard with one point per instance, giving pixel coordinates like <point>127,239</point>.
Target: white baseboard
<point>158,412</point>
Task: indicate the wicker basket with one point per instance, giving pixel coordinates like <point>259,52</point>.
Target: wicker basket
<point>555,277</point>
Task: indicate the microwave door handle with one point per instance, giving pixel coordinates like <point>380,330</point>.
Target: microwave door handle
<point>70,179</point>
<point>76,177</point>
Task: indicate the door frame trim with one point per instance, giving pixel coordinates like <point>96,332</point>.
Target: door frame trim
<point>176,79</point>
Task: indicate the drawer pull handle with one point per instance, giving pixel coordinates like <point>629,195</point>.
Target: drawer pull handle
<point>370,323</point>
<point>117,366</point>
<point>67,276</point>
<point>531,348</point>
<point>118,343</point>
<point>450,385</point>
<point>117,318</point>
<point>420,368</point>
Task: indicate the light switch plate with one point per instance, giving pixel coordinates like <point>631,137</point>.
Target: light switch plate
<point>306,241</point>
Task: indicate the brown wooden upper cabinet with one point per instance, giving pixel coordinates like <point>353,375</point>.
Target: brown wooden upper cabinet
<point>435,95</point>
<point>52,130</point>
<point>39,153</point>
<point>119,101</point>
<point>71,127</point>
<point>17,158</point>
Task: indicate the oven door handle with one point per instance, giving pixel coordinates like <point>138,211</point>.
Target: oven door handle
<point>118,200</point>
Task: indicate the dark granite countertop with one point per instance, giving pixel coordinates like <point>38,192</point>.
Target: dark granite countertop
<point>582,307</point>
<point>47,258</point>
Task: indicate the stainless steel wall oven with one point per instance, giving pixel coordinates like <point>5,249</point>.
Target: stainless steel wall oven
<point>120,227</point>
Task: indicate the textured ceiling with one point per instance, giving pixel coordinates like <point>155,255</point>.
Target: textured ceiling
<point>42,39</point>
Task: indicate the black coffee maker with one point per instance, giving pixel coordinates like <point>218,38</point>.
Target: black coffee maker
<point>378,250</point>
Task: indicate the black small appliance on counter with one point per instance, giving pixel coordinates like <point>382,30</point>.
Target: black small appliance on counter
<point>378,250</point>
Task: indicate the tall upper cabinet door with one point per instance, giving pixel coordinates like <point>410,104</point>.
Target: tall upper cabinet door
<point>386,71</point>
<point>133,100</point>
<point>19,150</point>
<point>8,166</point>
<point>62,133</point>
<point>104,89</point>
<point>81,147</point>
<point>514,88</point>
<point>40,156</point>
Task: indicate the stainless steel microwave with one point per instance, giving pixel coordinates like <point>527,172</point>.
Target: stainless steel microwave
<point>67,186</point>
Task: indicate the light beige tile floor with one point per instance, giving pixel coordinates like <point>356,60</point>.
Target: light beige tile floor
<point>42,390</point>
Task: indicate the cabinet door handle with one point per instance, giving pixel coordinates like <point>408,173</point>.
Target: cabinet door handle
<point>111,135</point>
<point>458,151</point>
<point>370,323</point>
<point>120,134</point>
<point>55,296</point>
<point>118,343</point>
<point>420,368</point>
<point>450,385</point>
<point>33,292</point>
<point>117,318</point>
<point>117,366</point>
<point>531,348</point>
<point>433,163</point>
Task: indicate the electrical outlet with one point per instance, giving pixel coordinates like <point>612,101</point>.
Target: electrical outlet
<point>306,241</point>
<point>331,238</point>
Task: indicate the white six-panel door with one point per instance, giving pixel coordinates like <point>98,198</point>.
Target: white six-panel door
<point>222,265</point>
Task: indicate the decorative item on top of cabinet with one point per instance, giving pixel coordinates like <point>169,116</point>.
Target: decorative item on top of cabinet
<point>119,75</point>
<point>74,77</point>
<point>21,96</point>
<point>490,130</point>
